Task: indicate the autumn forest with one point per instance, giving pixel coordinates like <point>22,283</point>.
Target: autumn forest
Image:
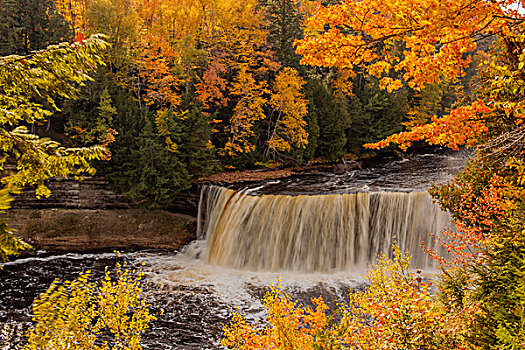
<point>155,95</point>
<point>191,88</point>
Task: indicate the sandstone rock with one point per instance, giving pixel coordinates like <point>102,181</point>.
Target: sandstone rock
<point>81,230</point>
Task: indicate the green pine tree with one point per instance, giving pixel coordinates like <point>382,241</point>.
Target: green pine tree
<point>374,113</point>
<point>285,26</point>
<point>332,119</point>
<point>30,25</point>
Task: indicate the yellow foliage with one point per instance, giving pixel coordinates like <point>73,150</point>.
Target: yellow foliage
<point>289,102</point>
<point>57,71</point>
<point>426,104</point>
<point>248,110</point>
<point>81,314</point>
<point>233,28</point>
<point>74,12</point>
<point>10,245</point>
<point>343,83</point>
<point>396,310</point>
<point>288,326</point>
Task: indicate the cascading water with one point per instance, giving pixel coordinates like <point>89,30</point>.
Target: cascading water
<point>313,244</point>
<point>315,233</point>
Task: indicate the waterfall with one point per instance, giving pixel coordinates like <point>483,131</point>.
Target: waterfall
<point>317,233</point>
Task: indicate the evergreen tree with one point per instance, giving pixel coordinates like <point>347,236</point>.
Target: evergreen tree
<point>195,147</point>
<point>374,114</point>
<point>152,174</point>
<point>142,166</point>
<point>87,123</point>
<point>11,29</point>
<point>285,26</point>
<point>30,25</point>
<point>332,119</point>
<point>501,292</point>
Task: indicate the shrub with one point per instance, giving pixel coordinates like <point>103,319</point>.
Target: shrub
<point>82,314</point>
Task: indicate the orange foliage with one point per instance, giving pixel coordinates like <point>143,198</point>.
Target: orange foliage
<point>436,35</point>
<point>160,82</point>
<point>395,311</point>
<point>475,216</point>
<point>212,87</point>
<point>427,42</point>
<point>464,125</point>
<point>480,203</point>
<point>343,83</point>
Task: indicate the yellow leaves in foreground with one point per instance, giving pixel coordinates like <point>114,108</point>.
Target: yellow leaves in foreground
<point>395,311</point>
<point>81,314</point>
<point>288,326</point>
<point>10,245</point>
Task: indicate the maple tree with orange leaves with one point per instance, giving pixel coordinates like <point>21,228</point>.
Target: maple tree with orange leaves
<point>435,38</point>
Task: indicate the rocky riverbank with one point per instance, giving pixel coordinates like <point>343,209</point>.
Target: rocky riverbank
<point>83,230</point>
<point>259,175</point>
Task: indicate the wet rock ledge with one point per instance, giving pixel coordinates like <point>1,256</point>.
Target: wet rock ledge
<point>82,230</point>
<point>89,216</point>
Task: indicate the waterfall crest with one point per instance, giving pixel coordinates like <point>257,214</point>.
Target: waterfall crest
<point>320,233</point>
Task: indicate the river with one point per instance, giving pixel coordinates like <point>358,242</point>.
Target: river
<point>317,234</point>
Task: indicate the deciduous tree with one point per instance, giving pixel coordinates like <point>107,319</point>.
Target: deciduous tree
<point>29,88</point>
<point>289,129</point>
<point>82,314</point>
<point>248,111</point>
<point>395,311</point>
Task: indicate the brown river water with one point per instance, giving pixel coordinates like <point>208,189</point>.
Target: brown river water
<point>317,234</point>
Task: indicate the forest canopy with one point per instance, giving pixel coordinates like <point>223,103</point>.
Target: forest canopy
<point>188,89</point>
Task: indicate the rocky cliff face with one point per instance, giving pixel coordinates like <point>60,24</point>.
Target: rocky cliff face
<point>94,193</point>
<point>90,215</point>
<point>90,193</point>
<point>81,230</point>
